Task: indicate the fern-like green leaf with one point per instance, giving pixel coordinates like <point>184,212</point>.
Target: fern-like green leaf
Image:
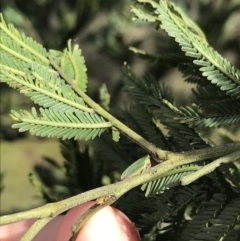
<point>52,123</point>
<point>113,152</point>
<point>145,91</point>
<point>43,87</point>
<point>195,117</point>
<point>22,47</point>
<point>158,101</point>
<point>141,121</point>
<point>170,180</point>
<point>231,174</point>
<point>208,210</point>
<point>220,224</point>
<point>72,64</point>
<point>213,66</point>
<point>24,65</point>
<point>216,68</point>
<point>168,207</point>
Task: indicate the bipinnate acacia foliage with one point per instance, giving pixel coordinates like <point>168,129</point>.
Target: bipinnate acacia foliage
<point>207,209</point>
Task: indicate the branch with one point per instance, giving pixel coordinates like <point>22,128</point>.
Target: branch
<point>151,148</point>
<point>35,228</point>
<point>99,205</point>
<point>158,154</point>
<point>210,167</point>
<point>171,160</point>
<point>120,188</point>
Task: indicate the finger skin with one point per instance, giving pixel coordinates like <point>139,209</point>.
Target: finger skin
<point>14,231</point>
<point>108,224</point>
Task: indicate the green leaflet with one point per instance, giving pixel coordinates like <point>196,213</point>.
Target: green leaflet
<point>104,97</point>
<point>72,64</point>
<point>115,134</point>
<point>53,93</point>
<point>53,123</point>
<point>137,167</point>
<point>150,220</point>
<point>206,65</point>
<point>193,43</point>
<point>213,220</point>
<point>171,211</point>
<point>171,179</point>
<point>21,47</point>
<point>26,65</point>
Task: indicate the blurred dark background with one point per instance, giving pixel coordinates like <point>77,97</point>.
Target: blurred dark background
<point>104,30</point>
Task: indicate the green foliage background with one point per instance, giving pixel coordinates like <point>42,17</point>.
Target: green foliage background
<point>105,31</point>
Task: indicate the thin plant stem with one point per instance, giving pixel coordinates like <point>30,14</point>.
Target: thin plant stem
<point>186,180</point>
<point>35,228</point>
<point>107,201</point>
<point>151,148</point>
<point>120,188</point>
<point>158,154</point>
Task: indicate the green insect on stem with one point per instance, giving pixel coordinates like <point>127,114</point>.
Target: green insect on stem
<point>137,167</point>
